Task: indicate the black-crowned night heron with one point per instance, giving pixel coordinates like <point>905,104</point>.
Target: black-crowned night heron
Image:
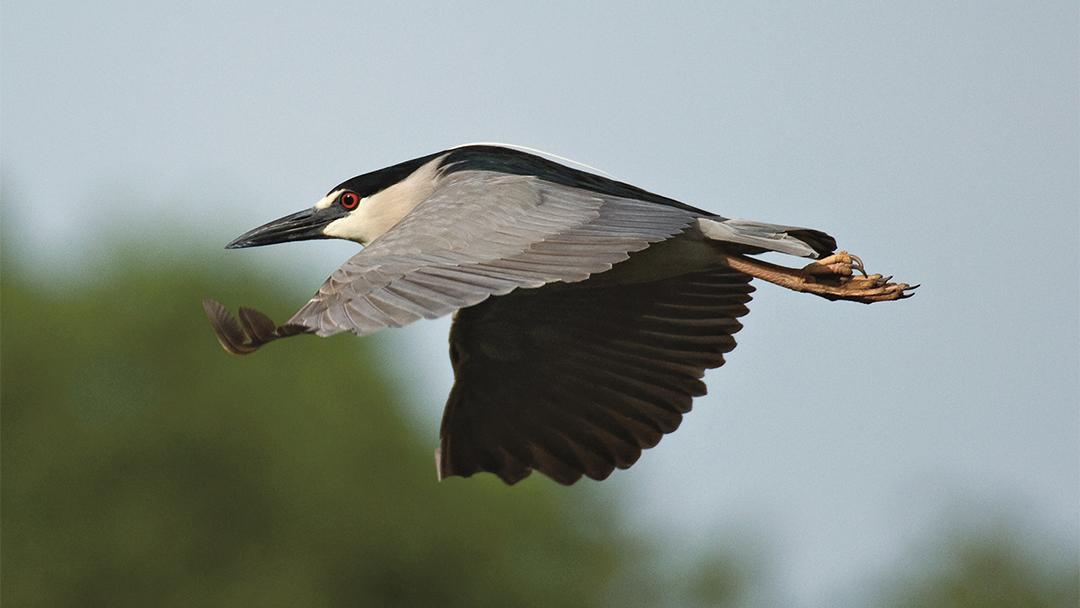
<point>586,309</point>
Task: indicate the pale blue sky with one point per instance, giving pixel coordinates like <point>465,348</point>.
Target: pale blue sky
<point>937,140</point>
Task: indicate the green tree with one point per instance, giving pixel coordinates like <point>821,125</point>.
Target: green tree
<point>143,466</point>
<point>981,568</point>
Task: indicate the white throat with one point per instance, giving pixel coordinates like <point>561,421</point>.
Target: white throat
<point>381,211</point>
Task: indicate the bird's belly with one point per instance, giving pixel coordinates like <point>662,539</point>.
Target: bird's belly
<point>685,253</point>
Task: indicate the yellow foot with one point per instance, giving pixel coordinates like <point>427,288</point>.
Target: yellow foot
<point>834,278</point>
<point>871,288</point>
<point>840,263</point>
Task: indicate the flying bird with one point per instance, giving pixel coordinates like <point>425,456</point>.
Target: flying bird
<point>586,310</point>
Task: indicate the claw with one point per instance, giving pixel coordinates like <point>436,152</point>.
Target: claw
<point>857,263</point>
<point>829,278</point>
<point>866,289</point>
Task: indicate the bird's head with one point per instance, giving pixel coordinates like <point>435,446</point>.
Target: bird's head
<point>303,225</point>
<point>360,209</point>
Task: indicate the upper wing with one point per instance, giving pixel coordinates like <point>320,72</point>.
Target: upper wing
<point>579,379</point>
<point>480,234</point>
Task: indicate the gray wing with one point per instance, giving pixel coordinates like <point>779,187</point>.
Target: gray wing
<point>578,379</point>
<point>482,234</point>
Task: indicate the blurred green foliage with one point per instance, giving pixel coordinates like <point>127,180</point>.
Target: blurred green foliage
<point>986,570</point>
<point>142,466</point>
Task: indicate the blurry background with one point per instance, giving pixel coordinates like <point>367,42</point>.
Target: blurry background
<point>915,454</point>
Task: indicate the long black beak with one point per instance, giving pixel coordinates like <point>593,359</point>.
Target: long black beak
<point>300,226</point>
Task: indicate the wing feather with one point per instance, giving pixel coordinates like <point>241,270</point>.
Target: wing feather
<point>583,376</point>
<point>482,234</point>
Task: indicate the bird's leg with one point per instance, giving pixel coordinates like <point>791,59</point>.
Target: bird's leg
<point>832,278</point>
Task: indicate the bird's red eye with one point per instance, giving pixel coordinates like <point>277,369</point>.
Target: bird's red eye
<point>349,200</point>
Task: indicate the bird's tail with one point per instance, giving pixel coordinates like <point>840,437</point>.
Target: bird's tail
<point>761,237</point>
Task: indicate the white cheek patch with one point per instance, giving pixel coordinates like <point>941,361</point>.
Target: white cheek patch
<point>351,228</point>
<point>381,211</point>
<point>329,199</point>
